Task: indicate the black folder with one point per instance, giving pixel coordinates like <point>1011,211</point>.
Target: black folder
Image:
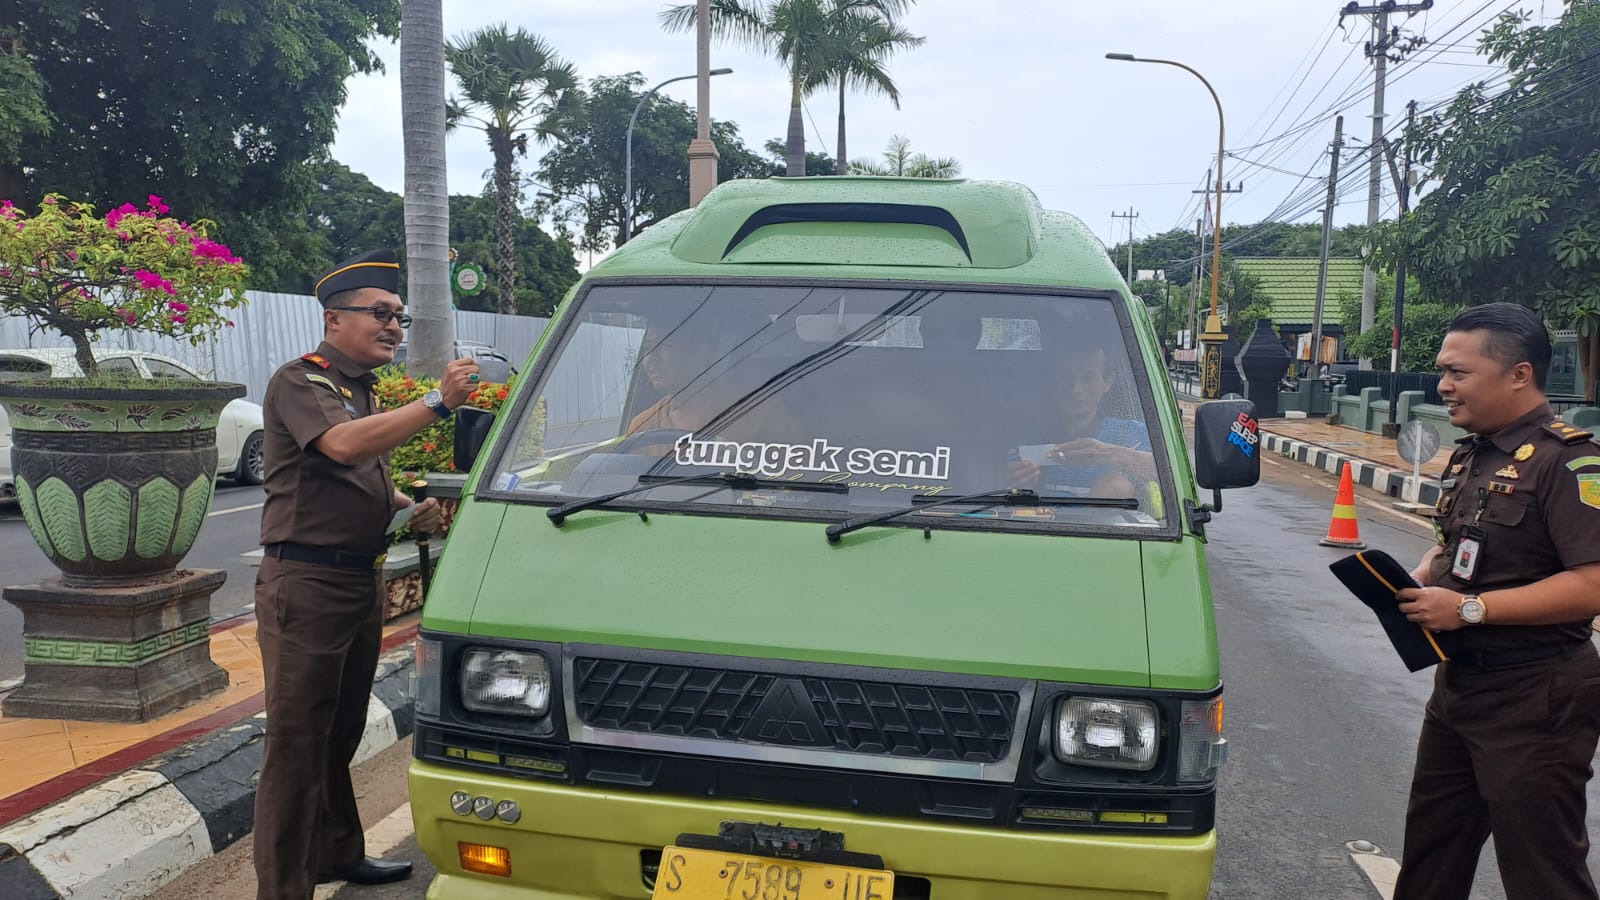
<point>1375,578</point>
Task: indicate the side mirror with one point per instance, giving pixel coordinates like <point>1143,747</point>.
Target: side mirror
<point>472,432</point>
<point>1227,441</point>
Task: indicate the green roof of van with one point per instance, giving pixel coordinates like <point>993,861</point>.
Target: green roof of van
<point>871,227</point>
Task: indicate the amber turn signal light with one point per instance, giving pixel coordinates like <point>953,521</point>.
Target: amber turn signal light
<point>484,859</point>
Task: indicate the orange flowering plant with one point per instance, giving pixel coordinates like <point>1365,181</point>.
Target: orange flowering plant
<point>433,449</point>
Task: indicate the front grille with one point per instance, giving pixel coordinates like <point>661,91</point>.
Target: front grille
<point>915,721</point>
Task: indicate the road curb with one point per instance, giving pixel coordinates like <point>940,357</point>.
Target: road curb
<point>1393,482</point>
<point>126,837</point>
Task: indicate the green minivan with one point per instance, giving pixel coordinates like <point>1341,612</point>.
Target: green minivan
<point>839,542</point>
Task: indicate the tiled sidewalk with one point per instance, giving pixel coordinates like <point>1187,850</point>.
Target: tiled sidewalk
<point>43,760</point>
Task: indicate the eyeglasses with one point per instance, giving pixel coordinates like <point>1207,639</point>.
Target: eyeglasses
<point>383,314</point>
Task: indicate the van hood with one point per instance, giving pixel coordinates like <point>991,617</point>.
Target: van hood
<point>1018,605</point>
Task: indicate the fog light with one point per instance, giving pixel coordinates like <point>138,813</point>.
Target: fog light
<point>484,859</point>
<point>508,812</point>
<point>461,803</point>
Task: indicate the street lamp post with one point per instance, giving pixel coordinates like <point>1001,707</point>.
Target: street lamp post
<point>1213,337</point>
<point>627,191</point>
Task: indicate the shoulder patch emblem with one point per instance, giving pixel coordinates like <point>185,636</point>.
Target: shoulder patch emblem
<point>346,392</point>
<point>1568,434</point>
<point>1583,462</point>
<point>1524,453</point>
<point>1589,490</point>
<point>317,359</point>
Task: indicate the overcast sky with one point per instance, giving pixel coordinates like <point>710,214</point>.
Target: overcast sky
<point>1019,90</point>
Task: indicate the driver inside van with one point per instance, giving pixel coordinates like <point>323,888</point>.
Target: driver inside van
<point>677,358</point>
<point>1095,454</point>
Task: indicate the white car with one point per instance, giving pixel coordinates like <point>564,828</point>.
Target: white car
<point>239,453</point>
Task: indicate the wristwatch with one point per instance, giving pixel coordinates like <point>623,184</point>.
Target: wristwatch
<point>1471,609</point>
<point>435,401</point>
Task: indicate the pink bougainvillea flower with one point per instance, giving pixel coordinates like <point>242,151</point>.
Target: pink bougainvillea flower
<point>178,307</point>
<point>72,254</point>
<point>49,201</point>
<point>177,319</point>
<point>147,279</point>
<point>118,214</point>
<point>212,250</point>
<point>7,209</point>
<point>157,206</point>
<point>127,316</point>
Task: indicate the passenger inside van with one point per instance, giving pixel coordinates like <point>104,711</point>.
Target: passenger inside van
<point>1093,450</point>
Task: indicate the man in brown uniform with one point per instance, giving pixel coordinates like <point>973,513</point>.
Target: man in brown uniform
<point>1509,734</point>
<point>319,595</point>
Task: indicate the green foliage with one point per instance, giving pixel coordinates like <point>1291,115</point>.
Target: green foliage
<point>23,111</point>
<point>1176,249</point>
<point>812,38</point>
<point>69,269</point>
<point>587,174</point>
<point>816,163</point>
<point>1513,178</point>
<point>217,106</point>
<point>1426,321</point>
<point>900,162</point>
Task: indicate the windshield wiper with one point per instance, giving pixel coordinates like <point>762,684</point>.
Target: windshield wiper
<point>1002,497</point>
<point>738,480</point>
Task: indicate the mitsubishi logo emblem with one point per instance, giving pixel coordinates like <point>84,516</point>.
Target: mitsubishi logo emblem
<point>787,716</point>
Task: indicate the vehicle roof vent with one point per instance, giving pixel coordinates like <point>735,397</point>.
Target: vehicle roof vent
<point>866,221</point>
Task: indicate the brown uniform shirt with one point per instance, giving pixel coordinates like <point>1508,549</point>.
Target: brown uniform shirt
<point>310,498</point>
<point>1537,482</point>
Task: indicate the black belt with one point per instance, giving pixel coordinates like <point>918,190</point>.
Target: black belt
<point>1513,656</point>
<point>321,556</point>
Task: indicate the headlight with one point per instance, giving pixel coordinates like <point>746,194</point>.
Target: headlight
<point>1201,747</point>
<point>1110,734</point>
<point>427,677</point>
<point>509,682</point>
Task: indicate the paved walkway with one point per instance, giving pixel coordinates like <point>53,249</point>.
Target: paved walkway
<point>1349,441</point>
<point>44,760</point>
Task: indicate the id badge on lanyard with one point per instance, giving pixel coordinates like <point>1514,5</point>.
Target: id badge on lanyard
<point>1470,545</point>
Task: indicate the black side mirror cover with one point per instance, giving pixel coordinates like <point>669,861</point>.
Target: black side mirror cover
<point>1227,441</point>
<point>472,432</point>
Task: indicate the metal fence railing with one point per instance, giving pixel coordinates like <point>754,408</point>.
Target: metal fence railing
<point>1426,382</point>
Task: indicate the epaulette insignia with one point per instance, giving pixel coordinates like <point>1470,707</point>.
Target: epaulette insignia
<point>314,378</point>
<point>346,392</point>
<point>1568,434</point>
<point>317,359</point>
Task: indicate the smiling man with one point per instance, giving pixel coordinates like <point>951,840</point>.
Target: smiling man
<point>1509,735</point>
<point>319,593</point>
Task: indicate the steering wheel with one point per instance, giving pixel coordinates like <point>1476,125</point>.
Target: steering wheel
<point>653,437</point>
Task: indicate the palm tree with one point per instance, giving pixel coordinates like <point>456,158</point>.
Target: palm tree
<point>797,32</point>
<point>900,162</point>
<point>860,44</point>
<point>512,83</point>
<point>427,202</point>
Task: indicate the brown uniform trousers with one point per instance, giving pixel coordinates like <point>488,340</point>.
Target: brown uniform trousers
<point>319,630</point>
<point>1507,751</point>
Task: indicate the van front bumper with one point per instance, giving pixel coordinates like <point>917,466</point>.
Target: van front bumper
<point>588,843</point>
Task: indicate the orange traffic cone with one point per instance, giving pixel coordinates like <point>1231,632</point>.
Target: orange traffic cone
<point>1343,531</point>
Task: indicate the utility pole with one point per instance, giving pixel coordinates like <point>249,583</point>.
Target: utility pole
<point>1402,189</point>
<point>1130,215</point>
<point>1327,242</point>
<point>1216,236</point>
<point>1383,41</point>
<point>1194,296</point>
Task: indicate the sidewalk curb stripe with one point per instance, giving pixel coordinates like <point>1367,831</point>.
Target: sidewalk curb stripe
<point>190,795</point>
<point>1391,482</point>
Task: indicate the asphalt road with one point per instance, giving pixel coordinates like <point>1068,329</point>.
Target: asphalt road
<point>1321,717</point>
<point>234,526</point>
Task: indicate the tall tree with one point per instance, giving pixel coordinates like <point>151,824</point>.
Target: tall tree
<point>796,32</point>
<point>427,202</point>
<point>900,162</point>
<point>585,175</point>
<point>512,83</point>
<point>214,106</point>
<point>860,42</point>
<point>1512,209</point>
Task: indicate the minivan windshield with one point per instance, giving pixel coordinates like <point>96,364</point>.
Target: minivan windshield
<point>894,392</point>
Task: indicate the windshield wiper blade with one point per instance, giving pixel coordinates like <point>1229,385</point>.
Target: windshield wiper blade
<point>740,480</point>
<point>1002,497</point>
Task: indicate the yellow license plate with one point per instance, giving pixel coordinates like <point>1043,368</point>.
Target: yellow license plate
<point>690,874</point>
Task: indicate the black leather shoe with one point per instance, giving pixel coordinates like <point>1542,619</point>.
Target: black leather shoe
<point>367,871</point>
